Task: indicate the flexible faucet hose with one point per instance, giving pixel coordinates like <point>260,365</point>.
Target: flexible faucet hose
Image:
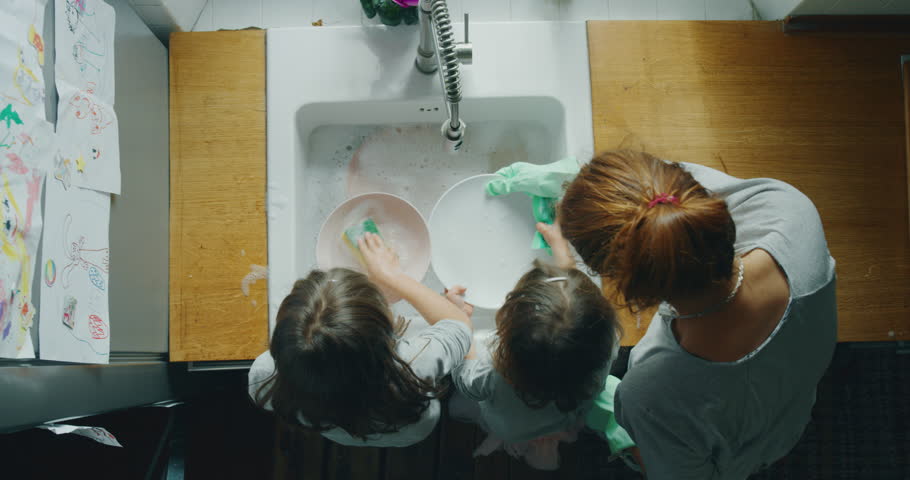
<point>448,61</point>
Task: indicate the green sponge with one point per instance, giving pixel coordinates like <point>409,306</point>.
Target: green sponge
<point>355,232</point>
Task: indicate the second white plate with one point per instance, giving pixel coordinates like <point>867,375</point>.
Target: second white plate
<point>482,242</point>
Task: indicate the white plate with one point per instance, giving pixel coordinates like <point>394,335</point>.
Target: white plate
<point>482,242</point>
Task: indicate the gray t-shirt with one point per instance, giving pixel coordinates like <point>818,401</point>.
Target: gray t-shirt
<point>696,419</point>
<point>432,354</point>
<point>499,410</point>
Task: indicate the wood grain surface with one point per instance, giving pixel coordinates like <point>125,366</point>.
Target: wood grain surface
<point>218,186</point>
<point>905,69</point>
<point>823,113</point>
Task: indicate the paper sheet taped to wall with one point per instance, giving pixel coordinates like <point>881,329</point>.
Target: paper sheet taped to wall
<point>86,122</point>
<point>75,267</point>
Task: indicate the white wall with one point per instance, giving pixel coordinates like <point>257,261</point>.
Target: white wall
<point>219,14</point>
<point>139,216</point>
<point>165,16</point>
<point>853,7</point>
<point>775,9</point>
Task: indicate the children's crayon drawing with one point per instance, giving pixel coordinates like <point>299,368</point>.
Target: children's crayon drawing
<point>89,141</point>
<point>22,51</point>
<point>75,324</point>
<point>20,230</point>
<point>25,140</point>
<point>85,46</point>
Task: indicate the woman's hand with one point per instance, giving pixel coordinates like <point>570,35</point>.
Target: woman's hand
<point>562,253</point>
<point>380,260</point>
<point>456,296</point>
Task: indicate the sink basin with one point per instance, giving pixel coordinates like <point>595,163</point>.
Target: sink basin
<point>363,119</point>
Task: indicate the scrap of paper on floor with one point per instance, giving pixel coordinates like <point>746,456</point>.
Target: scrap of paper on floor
<point>22,56</point>
<point>85,46</point>
<point>75,268</point>
<point>87,132</point>
<point>98,434</point>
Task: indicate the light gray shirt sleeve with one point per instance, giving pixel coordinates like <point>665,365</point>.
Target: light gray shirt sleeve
<point>437,350</point>
<point>260,373</point>
<point>475,379</point>
<point>667,446</point>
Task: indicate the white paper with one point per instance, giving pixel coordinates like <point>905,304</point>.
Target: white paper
<point>85,46</point>
<point>89,141</point>
<point>75,267</point>
<point>21,183</point>
<point>98,434</point>
<point>22,56</point>
<point>167,404</point>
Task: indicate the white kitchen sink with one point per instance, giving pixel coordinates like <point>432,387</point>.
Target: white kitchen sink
<point>337,94</point>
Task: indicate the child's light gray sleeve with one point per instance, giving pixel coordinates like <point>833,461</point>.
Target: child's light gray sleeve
<point>434,352</point>
<point>474,379</point>
<point>260,372</point>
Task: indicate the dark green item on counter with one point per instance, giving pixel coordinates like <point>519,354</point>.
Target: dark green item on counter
<point>390,13</point>
<point>368,8</point>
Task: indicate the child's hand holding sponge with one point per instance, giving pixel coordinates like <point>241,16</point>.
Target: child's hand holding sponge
<point>355,232</point>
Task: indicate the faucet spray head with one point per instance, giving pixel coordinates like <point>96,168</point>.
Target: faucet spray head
<point>454,136</point>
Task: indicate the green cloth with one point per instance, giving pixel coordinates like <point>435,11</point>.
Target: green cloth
<point>543,183</point>
<point>601,418</point>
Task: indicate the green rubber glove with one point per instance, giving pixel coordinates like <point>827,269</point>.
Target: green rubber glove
<point>601,418</point>
<point>544,183</point>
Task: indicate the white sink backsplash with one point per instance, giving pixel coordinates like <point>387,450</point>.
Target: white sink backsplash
<point>207,15</point>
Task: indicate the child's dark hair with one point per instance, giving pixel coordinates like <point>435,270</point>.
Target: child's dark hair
<point>336,365</point>
<point>556,337</point>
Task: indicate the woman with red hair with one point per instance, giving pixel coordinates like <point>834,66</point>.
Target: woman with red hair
<point>724,380</point>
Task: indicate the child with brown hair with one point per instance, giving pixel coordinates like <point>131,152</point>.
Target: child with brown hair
<point>337,363</point>
<point>531,384</point>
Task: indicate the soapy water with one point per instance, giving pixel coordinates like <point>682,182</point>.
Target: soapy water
<point>409,161</point>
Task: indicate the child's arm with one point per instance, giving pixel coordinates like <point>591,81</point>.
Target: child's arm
<point>562,254</point>
<point>456,296</point>
<point>384,269</point>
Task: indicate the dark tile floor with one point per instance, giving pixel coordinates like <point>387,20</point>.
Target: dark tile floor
<point>860,430</point>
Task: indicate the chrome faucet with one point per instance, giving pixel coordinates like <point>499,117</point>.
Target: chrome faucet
<point>438,52</point>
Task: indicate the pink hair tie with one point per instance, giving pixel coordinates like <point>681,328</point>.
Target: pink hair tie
<point>663,198</point>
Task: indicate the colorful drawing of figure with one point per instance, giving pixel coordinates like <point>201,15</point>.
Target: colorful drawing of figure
<point>63,171</point>
<point>15,258</point>
<point>87,109</point>
<point>18,310</point>
<point>26,314</point>
<point>10,116</point>
<point>10,220</point>
<point>94,276</point>
<point>28,85</point>
<point>81,257</point>
<point>75,12</point>
<point>69,312</point>
<point>16,165</point>
<point>86,57</point>
<point>97,327</point>
<point>50,273</point>
<point>35,40</point>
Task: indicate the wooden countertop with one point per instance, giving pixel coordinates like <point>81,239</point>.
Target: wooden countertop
<point>218,188</point>
<point>823,113</point>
